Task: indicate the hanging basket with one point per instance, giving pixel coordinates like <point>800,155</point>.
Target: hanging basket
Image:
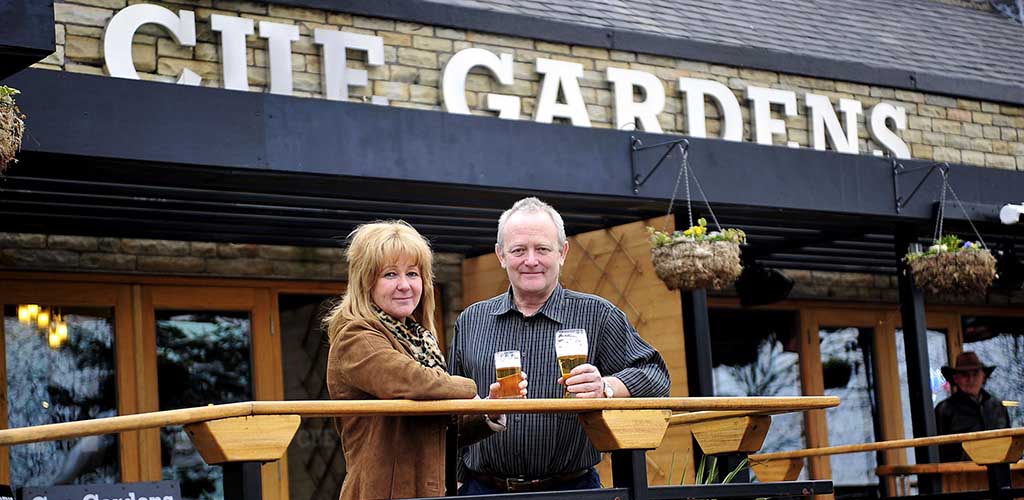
<point>11,130</point>
<point>963,272</point>
<point>689,265</point>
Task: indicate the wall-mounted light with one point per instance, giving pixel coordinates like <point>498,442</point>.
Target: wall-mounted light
<point>1011,214</point>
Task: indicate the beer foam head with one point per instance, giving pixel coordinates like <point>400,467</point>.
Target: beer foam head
<point>507,359</point>
<point>571,342</point>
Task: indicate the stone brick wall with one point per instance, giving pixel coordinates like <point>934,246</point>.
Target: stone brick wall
<point>59,253</point>
<point>879,288</point>
<point>940,128</point>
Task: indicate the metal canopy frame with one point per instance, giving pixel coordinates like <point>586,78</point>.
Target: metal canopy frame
<point>153,160</point>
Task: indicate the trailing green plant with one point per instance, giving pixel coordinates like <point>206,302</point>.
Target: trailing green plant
<point>7,95</point>
<point>698,232</point>
<point>949,243</point>
<point>12,126</point>
<point>707,471</point>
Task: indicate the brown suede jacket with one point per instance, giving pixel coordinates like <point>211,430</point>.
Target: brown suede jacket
<point>390,457</point>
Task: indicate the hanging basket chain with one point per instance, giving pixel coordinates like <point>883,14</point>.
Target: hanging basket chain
<point>689,205</point>
<point>964,210</point>
<point>684,171</point>
<point>707,203</point>
<point>675,190</point>
<point>941,215</point>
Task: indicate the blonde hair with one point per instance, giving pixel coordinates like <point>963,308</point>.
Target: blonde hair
<point>371,248</point>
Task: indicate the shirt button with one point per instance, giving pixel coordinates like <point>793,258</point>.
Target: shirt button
<point>519,418</point>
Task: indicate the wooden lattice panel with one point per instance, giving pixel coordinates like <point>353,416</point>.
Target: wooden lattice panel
<point>616,264</point>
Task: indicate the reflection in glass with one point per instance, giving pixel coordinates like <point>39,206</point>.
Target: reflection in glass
<point>203,358</point>
<point>846,369</point>
<point>66,381</point>
<point>316,466</point>
<point>999,342</point>
<point>937,358</point>
<point>754,353</point>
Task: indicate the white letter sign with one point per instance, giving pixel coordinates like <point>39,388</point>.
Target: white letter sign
<point>279,48</point>
<point>337,75</point>
<point>117,38</point>
<point>628,111</point>
<point>564,75</point>
<point>232,47</point>
<point>761,100</point>
<point>453,83</point>
<point>880,114</point>
<point>823,118</point>
<point>732,119</point>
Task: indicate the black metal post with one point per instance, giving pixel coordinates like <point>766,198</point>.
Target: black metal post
<point>629,471</point>
<point>242,481</point>
<point>451,458</point>
<point>697,337</point>
<point>697,334</point>
<point>999,480</point>
<point>915,341</point>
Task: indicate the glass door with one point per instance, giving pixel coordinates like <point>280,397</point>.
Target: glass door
<point>67,348</point>
<point>851,362</point>
<point>205,345</point>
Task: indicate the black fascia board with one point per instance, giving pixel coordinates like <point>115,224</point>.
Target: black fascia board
<point>99,117</point>
<point>27,34</point>
<point>519,25</point>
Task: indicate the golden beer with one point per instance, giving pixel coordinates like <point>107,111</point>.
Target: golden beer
<point>567,363</point>
<point>509,379</point>
<point>571,350</point>
<point>508,370</point>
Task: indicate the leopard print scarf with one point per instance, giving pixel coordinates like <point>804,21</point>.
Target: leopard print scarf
<point>416,339</point>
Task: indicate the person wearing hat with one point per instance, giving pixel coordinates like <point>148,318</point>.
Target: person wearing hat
<point>971,408</point>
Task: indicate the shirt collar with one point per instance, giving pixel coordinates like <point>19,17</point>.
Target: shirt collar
<point>552,309</point>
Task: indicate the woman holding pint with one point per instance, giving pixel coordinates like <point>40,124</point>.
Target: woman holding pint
<point>382,347</point>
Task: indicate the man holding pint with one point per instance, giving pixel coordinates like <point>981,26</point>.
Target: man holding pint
<point>553,329</point>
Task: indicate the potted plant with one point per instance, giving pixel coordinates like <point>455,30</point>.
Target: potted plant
<point>12,126</point>
<point>696,258</point>
<point>953,266</point>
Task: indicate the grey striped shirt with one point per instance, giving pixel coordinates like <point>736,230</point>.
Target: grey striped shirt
<point>540,445</point>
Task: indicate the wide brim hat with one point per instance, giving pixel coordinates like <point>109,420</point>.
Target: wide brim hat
<point>966,361</point>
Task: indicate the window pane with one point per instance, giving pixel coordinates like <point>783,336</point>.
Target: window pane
<point>203,358</point>
<point>846,370</point>
<point>755,354</point>
<point>999,342</point>
<point>316,465</point>
<point>63,375</point>
<point>937,358</point>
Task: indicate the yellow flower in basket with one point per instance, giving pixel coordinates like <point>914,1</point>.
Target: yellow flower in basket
<point>698,231</point>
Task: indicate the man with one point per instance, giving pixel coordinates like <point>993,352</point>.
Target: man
<point>546,452</point>
<point>970,408</point>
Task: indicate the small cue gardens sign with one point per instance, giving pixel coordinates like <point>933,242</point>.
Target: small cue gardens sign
<point>159,490</point>
<point>884,120</point>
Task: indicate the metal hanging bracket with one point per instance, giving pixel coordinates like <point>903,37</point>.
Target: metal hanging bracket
<point>636,146</point>
<point>898,169</point>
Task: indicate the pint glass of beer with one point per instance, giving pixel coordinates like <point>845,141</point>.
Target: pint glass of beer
<point>508,369</point>
<point>571,349</point>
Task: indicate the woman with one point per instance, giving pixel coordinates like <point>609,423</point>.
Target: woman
<point>382,348</point>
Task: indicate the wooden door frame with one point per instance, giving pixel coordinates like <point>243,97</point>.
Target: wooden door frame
<point>136,349</point>
<point>117,297</point>
<point>267,382</point>
<point>884,319</point>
